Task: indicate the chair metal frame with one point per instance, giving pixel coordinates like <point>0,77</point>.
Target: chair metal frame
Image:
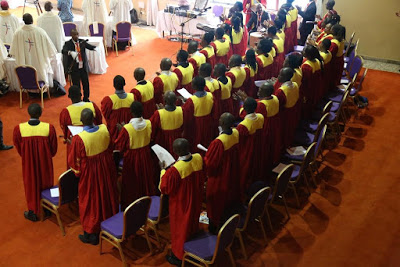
<point>64,23</point>
<point>350,41</point>
<point>206,262</point>
<point>350,64</point>
<point>116,242</point>
<point>104,38</point>
<point>42,90</point>
<point>153,225</point>
<point>340,113</point>
<point>115,42</point>
<point>239,231</point>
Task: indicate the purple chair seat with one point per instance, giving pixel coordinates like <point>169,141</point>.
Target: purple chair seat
<point>295,173</point>
<point>353,91</point>
<point>298,48</point>
<point>335,98</point>
<point>303,138</point>
<point>346,59</point>
<point>114,225</point>
<point>121,39</point>
<point>203,245</point>
<point>321,105</point>
<point>121,163</point>
<point>294,157</point>
<point>308,125</point>
<point>154,208</point>
<point>332,116</point>
<point>45,194</point>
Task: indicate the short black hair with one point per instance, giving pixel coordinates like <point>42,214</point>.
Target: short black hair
<point>205,70</point>
<point>198,83</point>
<point>74,91</point>
<point>209,37</point>
<point>278,23</point>
<point>265,45</point>
<point>27,18</point>
<point>219,33</point>
<point>272,30</point>
<point>235,61</point>
<point>219,69</point>
<point>250,105</point>
<point>119,82</point>
<point>182,56</point>
<point>326,43</point>
<point>139,74</point>
<point>35,110</point>
<point>137,109</point>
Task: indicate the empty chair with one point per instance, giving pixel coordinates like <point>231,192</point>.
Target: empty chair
<point>205,247</point>
<point>68,26</point>
<point>312,124</point>
<point>348,61</point>
<point>100,33</point>
<point>354,70</point>
<point>349,45</point>
<point>123,34</point>
<point>125,224</point>
<point>218,10</point>
<point>305,138</point>
<point>28,82</point>
<point>68,192</point>
<point>334,117</point>
<point>156,213</point>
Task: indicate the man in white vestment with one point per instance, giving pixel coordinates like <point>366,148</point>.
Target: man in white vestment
<point>52,25</point>
<point>3,55</point>
<point>9,23</point>
<point>32,46</point>
<point>94,10</point>
<point>120,11</point>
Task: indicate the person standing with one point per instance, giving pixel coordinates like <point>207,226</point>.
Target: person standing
<point>65,14</point>
<point>91,159</point>
<point>94,11</point>
<point>36,143</point>
<point>9,23</point>
<point>77,63</point>
<point>2,145</point>
<point>308,16</point>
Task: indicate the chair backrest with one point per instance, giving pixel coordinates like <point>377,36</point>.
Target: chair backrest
<point>257,205</point>
<point>27,77</point>
<point>68,26</point>
<point>135,216</point>
<point>7,46</point>
<point>218,10</point>
<point>349,44</point>
<point>318,145</point>
<point>356,66</point>
<point>273,16</point>
<point>308,158</point>
<point>68,186</point>
<point>362,80</point>
<point>322,122</point>
<point>226,234</point>
<point>100,28</point>
<point>327,107</point>
<point>342,103</point>
<point>123,29</point>
<point>282,181</point>
<point>352,56</point>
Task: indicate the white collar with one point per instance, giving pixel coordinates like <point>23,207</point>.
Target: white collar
<point>138,123</point>
<point>166,72</point>
<point>209,78</point>
<point>288,84</point>
<point>79,104</point>
<point>251,116</point>
<point>186,157</point>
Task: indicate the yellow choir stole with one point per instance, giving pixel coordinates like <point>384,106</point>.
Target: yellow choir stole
<point>279,44</point>
<point>340,46</point>
<point>292,94</point>
<point>237,36</point>
<point>187,74</point>
<point>240,76</point>
<point>315,65</point>
<point>222,47</point>
<point>266,61</point>
<point>297,76</point>
<point>226,89</point>
<point>186,168</point>
<point>146,91</point>
<point>271,105</point>
<point>212,85</point>
<point>138,138</point>
<point>199,58</point>
<point>229,141</point>
<point>96,142</point>
<point>75,111</point>
<point>170,81</point>
<point>253,126</point>
<point>122,103</point>
<point>202,105</point>
<point>209,50</point>
<point>171,120</point>
<point>42,129</point>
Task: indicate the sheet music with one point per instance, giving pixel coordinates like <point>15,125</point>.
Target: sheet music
<point>259,83</point>
<point>163,155</point>
<point>75,129</point>
<point>279,168</point>
<point>54,192</point>
<point>201,147</point>
<point>183,92</point>
<point>296,151</point>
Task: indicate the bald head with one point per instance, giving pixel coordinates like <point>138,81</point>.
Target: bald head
<point>170,98</point>
<point>48,6</point>
<point>74,34</point>
<point>139,74</point>
<point>226,121</point>
<point>27,18</point>
<point>166,64</point>
<point>266,90</point>
<point>181,147</point>
<point>285,75</point>
<point>87,117</point>
<point>192,47</point>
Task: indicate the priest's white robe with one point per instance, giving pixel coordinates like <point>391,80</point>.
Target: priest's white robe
<point>52,25</point>
<point>94,10</point>
<point>3,55</point>
<point>9,23</point>
<point>32,46</point>
<point>120,11</point>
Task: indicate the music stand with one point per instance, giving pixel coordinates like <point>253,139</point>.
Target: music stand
<point>37,5</point>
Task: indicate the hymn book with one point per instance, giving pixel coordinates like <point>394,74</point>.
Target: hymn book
<point>75,129</point>
<point>296,151</point>
<point>163,155</point>
<point>279,168</point>
<point>183,92</point>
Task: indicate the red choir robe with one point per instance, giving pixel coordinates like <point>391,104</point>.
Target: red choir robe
<point>199,116</point>
<point>213,86</point>
<point>91,159</point>
<point>165,82</point>
<point>322,37</point>
<point>288,42</point>
<point>329,13</point>
<point>223,170</point>
<point>223,51</point>
<point>251,141</point>
<point>144,92</point>
<point>183,183</point>
<point>116,110</point>
<point>36,143</point>
<point>294,14</point>
<point>274,53</point>
<point>297,77</point>
<point>288,96</point>
<point>239,77</point>
<point>250,87</point>
<point>185,74</point>
<point>71,115</point>
<point>311,89</point>
<point>239,41</point>
<point>209,53</point>
<point>138,174</point>
<point>166,127</point>
<point>337,50</point>
<point>265,67</point>
<point>226,98</point>
<point>280,54</point>
<point>327,74</point>
<point>196,60</point>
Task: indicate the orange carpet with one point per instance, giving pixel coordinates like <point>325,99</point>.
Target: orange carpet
<point>353,221</point>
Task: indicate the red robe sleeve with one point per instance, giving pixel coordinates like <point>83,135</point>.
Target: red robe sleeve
<point>106,107</point>
<point>213,157</point>
<point>214,47</point>
<point>334,49</point>
<point>53,140</point>
<point>188,117</point>
<point>122,143</point>
<point>230,75</point>
<point>242,131</point>
<point>99,118</point>
<point>17,139</point>
<point>180,76</point>
<point>158,90</point>
<point>65,120</point>
<point>281,97</point>
<point>170,181</point>
<point>76,154</point>
<point>204,52</point>
<point>137,95</point>
<point>195,67</point>
<point>155,125</point>
<point>261,109</point>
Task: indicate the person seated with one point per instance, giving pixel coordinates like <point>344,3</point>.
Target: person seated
<point>212,86</point>
<point>184,70</point>
<point>9,23</point>
<point>239,37</point>
<point>144,93</point>
<point>166,81</point>
<point>208,50</point>
<point>222,47</point>
<point>258,20</point>
<point>252,66</point>
<point>195,57</point>
<point>265,60</point>
<point>225,84</point>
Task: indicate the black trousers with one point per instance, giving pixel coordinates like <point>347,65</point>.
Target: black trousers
<point>78,76</point>
<point>305,29</point>
<point>1,132</point>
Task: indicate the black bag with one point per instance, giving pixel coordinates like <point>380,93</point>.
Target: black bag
<point>4,87</point>
<point>134,16</point>
<point>58,89</point>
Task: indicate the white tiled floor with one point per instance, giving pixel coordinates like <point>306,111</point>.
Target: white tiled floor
<point>377,65</point>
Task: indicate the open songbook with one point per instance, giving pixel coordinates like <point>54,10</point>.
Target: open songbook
<point>163,155</point>
<point>183,92</point>
<point>201,147</point>
<point>259,83</point>
<point>75,129</point>
<point>279,168</point>
<point>296,151</point>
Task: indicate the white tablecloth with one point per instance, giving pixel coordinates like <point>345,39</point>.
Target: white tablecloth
<point>167,22</point>
<point>15,3</point>
<point>96,59</point>
<point>56,67</point>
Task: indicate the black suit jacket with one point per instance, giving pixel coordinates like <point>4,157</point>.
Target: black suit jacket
<point>252,24</point>
<point>309,13</point>
<point>68,60</point>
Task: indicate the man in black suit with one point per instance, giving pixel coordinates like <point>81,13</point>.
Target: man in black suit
<point>76,62</point>
<point>258,19</point>
<point>308,16</point>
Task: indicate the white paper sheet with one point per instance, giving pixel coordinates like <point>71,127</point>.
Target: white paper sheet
<point>342,87</point>
<point>345,65</point>
<point>279,168</point>
<point>183,92</point>
<point>296,151</point>
<point>75,129</point>
<point>344,81</point>
<point>54,192</point>
<point>259,83</point>
<point>163,155</point>
<point>201,147</point>
<point>203,218</point>
<point>95,27</point>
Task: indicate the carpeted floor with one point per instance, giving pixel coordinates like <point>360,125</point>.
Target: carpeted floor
<point>352,222</point>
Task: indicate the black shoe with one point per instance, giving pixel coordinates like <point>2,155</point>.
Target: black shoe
<point>94,239</point>
<point>5,147</point>
<point>47,213</point>
<point>172,259</point>
<point>87,238</point>
<point>30,215</point>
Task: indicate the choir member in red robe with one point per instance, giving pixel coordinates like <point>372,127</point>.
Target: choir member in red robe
<point>71,115</point>
<point>225,84</point>
<point>199,115</point>
<point>167,123</point>
<point>36,143</point>
<point>239,37</point>
<point>91,159</point>
<point>325,34</point>
<point>183,182</point>
<point>251,67</point>
<point>285,18</point>
<point>294,61</point>
<point>294,15</point>
<point>327,58</point>
<point>144,93</point>
<point>222,47</point>
<point>337,50</point>
<point>265,60</point>
<point>223,170</point>
<point>138,174</point>
<point>288,96</point>
<point>208,51</point>
<point>196,58</point>
<point>212,86</point>
<point>329,14</point>
<point>251,141</point>
<point>185,71</point>
<point>280,52</point>
<point>116,107</point>
<point>166,81</point>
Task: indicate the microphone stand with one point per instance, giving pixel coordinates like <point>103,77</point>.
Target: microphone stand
<point>183,24</point>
